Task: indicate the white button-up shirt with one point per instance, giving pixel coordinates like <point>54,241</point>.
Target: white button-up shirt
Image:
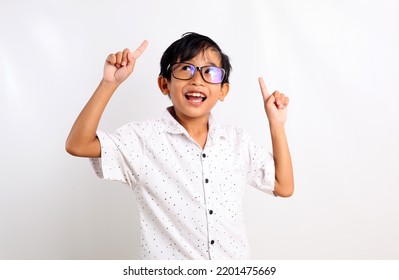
<point>190,199</point>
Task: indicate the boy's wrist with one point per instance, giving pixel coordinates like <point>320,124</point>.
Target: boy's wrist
<point>276,127</point>
<point>112,86</point>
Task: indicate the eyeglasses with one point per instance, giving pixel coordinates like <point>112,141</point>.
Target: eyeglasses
<point>185,71</point>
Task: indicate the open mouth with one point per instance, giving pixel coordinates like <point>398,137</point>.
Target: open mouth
<point>196,97</point>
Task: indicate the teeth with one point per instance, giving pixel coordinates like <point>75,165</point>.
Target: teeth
<point>196,94</point>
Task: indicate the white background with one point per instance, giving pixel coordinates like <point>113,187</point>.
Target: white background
<point>336,60</point>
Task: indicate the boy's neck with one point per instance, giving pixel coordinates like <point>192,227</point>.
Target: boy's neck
<point>197,128</point>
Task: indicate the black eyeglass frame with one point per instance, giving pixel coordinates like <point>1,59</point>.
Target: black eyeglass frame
<point>196,68</point>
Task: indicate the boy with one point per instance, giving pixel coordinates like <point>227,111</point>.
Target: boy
<point>189,173</point>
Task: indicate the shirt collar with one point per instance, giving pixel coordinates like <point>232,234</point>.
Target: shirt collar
<point>174,127</point>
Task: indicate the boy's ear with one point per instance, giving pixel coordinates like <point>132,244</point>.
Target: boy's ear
<point>224,90</point>
<point>163,85</point>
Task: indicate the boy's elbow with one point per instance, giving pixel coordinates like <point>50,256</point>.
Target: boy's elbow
<point>285,194</point>
<point>71,149</point>
<point>283,190</point>
<point>88,150</point>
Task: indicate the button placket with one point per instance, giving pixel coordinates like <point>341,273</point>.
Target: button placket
<point>208,191</point>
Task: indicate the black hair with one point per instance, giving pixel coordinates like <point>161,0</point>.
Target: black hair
<point>187,47</point>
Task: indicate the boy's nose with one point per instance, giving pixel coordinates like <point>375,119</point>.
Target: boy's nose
<point>197,78</point>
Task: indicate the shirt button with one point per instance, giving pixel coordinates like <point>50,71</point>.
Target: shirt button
<point>212,242</point>
<point>206,181</point>
<point>211,212</point>
<point>204,155</point>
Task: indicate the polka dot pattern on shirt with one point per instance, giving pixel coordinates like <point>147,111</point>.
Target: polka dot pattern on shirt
<point>190,200</point>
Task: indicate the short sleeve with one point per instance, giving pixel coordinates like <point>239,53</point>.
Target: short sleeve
<point>120,157</point>
<point>261,172</point>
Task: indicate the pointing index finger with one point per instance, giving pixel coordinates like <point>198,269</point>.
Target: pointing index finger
<point>140,49</point>
<point>263,88</point>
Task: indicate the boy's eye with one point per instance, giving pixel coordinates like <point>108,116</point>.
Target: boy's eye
<point>209,71</point>
<point>186,68</point>
<point>212,71</point>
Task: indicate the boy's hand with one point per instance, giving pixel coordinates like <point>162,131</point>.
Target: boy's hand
<point>120,65</point>
<point>275,104</point>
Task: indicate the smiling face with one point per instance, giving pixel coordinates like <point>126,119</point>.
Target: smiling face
<point>194,99</point>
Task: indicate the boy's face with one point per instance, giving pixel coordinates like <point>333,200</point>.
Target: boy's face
<point>195,98</point>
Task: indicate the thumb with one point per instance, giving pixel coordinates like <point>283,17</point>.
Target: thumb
<point>130,62</point>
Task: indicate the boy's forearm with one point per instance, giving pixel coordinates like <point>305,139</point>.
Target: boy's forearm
<point>284,177</point>
<point>82,136</point>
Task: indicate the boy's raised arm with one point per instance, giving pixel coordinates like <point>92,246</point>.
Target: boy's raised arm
<point>82,140</point>
<point>276,111</point>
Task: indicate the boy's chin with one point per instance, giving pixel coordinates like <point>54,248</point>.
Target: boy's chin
<point>193,112</point>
